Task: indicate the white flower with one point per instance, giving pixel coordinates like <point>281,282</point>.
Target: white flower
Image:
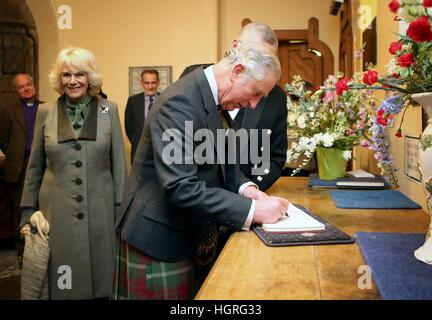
<point>347,155</point>
<point>303,143</point>
<point>292,117</point>
<point>327,140</point>
<point>301,122</point>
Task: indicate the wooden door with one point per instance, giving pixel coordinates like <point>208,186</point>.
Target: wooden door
<point>346,46</point>
<point>302,52</point>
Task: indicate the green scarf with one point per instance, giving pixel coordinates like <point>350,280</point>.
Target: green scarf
<point>77,111</point>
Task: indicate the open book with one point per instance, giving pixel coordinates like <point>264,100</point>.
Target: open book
<point>298,221</point>
<point>360,174</point>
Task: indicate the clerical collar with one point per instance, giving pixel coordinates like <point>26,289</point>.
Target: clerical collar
<point>28,103</point>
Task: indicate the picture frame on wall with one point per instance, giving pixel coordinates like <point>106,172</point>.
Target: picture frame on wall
<point>411,157</point>
<point>135,87</point>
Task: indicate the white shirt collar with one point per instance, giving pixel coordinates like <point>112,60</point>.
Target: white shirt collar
<point>209,73</point>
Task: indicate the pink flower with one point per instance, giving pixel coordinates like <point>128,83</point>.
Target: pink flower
<point>364,143</point>
<point>329,97</point>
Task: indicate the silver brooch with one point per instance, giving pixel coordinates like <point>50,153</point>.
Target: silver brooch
<point>103,109</point>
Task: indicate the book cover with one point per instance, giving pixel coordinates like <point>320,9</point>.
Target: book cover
<point>297,221</point>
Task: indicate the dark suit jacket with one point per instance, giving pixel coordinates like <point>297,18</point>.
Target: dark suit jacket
<point>167,205</point>
<point>270,114</point>
<point>12,140</point>
<point>274,118</point>
<point>134,120</point>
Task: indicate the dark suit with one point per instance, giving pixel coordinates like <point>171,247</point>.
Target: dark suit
<point>134,120</point>
<point>274,119</point>
<point>12,143</point>
<point>167,206</point>
<point>270,116</point>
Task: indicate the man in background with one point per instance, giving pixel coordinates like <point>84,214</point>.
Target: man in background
<point>273,120</point>
<point>138,106</point>
<point>16,137</point>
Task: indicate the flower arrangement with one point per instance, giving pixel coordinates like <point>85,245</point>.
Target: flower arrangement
<point>342,114</point>
<point>332,117</point>
<point>408,72</point>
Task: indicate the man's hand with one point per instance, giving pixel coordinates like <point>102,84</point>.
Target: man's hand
<point>253,192</point>
<point>269,209</point>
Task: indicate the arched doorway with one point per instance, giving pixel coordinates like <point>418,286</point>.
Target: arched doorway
<point>18,46</point>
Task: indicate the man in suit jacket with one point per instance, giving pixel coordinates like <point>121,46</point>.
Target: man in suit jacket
<point>16,136</point>
<point>138,105</point>
<point>171,194</point>
<point>272,123</point>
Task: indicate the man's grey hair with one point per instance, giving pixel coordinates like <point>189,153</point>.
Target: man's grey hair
<point>258,60</point>
<point>258,32</point>
<point>19,75</point>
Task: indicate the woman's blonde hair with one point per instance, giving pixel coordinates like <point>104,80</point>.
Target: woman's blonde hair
<point>80,59</point>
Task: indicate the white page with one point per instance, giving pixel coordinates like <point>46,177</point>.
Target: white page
<point>360,174</point>
<point>298,220</point>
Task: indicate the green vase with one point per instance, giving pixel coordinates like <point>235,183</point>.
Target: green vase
<point>331,163</point>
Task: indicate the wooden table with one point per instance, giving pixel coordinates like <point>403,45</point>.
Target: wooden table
<point>248,269</point>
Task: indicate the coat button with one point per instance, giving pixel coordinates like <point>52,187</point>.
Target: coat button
<point>77,146</point>
<point>78,164</point>
<point>80,215</point>
<point>78,181</point>
<point>79,198</point>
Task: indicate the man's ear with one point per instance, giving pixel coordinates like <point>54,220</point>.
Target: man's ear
<point>238,69</point>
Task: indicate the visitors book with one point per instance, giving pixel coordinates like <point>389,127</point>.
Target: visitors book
<point>297,221</point>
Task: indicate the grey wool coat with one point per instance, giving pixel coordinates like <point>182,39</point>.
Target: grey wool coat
<point>77,183</point>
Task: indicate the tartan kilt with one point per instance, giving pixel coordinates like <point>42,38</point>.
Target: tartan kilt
<point>138,276</point>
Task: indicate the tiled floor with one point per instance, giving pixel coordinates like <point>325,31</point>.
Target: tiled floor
<point>9,271</point>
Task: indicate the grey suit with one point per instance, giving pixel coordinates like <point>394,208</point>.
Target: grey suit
<point>167,206</point>
<point>77,182</point>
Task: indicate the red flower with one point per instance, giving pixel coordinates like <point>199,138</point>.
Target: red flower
<point>405,60</point>
<point>381,117</point>
<point>399,133</point>
<point>420,30</point>
<point>394,6</point>
<point>427,3</point>
<point>341,86</point>
<point>395,47</point>
<point>382,121</point>
<point>395,75</point>
<point>370,77</point>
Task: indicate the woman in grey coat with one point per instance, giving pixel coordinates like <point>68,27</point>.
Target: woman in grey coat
<point>75,176</point>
